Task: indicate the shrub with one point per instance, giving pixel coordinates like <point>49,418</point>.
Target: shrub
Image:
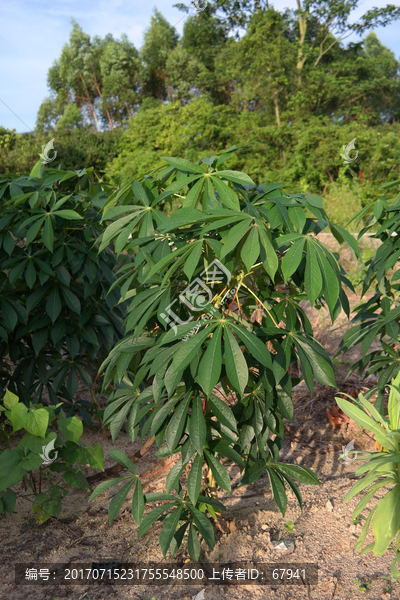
<point>217,385</point>
<point>43,433</point>
<point>381,470</point>
<point>58,320</point>
<point>379,316</point>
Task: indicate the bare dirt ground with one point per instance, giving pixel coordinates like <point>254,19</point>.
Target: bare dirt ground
<point>323,531</point>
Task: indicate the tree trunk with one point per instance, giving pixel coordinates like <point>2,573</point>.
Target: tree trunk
<point>276,104</point>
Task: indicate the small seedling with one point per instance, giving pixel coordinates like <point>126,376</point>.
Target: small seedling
<point>289,526</point>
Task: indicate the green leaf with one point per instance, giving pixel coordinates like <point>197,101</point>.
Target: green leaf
<point>168,531</point>
<point>118,500</point>
<point>174,476</point>
<point>254,345</point>
<point>292,259</point>
<point>11,468</point>
<point>138,503</point>
<point>188,349</point>
<point>193,260</point>
<point>53,305</point>
<point>70,215</point>
<point>251,248</point>
<point>278,490</point>
<point>77,480</point>
<point>226,194</point>
<point>194,479</point>
<point>48,234</point>
<point>204,526</point>
<point>365,421</point>
<point>93,456</point>
<point>105,485</point>
<point>313,276</point>
<point>235,363</point>
<point>71,300</point>
<point>183,165</point>
<point>10,400</point>
<point>151,517</point>
<point>222,411</point>
<point>34,420</point>
<point>176,425</point>
<point>124,460</point>
<point>193,544</point>
<point>197,427</point>
<point>211,364</point>
<point>386,522</point>
<point>235,176</point>
<point>300,474</point>
<point>219,472</point>
<point>71,428</point>
<point>9,499</point>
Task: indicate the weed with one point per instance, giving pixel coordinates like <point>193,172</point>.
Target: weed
<point>289,526</point>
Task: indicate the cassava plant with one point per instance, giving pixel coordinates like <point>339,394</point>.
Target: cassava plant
<point>378,317</point>
<point>381,470</point>
<point>214,333</point>
<point>58,321</point>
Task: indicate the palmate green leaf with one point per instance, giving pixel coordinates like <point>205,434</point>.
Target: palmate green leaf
<point>162,414</point>
<point>278,490</point>
<point>235,363</point>
<point>235,235</point>
<point>53,306</point>
<point>176,425</point>
<point>118,500</point>
<point>48,233</point>
<point>394,403</point>
<point>251,248</point>
<point>193,260</point>
<point>254,470</point>
<point>210,366</point>
<point>320,364</point>
<point>104,486</point>
<point>193,194</point>
<point>331,287</point>
<point>124,460</point>
<point>300,474</point>
<point>313,276</point>
<point>197,427</point>
<point>193,544</point>
<point>219,472</point>
<point>194,479</point>
<point>267,252</point>
<point>386,521</point>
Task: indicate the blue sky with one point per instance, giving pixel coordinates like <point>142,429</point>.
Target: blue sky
<point>33,33</point>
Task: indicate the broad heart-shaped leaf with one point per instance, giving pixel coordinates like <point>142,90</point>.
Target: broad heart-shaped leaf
<point>34,420</point>
<point>168,531</point>
<point>251,248</point>
<point>197,427</point>
<point>77,480</point>
<point>138,503</point>
<point>386,522</point>
<point>71,428</point>
<point>10,400</point>
<point>175,427</point>
<point>9,500</point>
<point>211,364</point>
<point>204,526</point>
<point>313,276</point>
<point>11,468</point>
<point>193,544</point>
<point>194,479</point>
<point>188,350</point>
<point>118,500</point>
<point>219,472</point>
<point>235,363</point>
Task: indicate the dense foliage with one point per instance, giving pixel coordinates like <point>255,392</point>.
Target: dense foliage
<point>57,318</point>
<point>234,262</point>
<point>378,316</point>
